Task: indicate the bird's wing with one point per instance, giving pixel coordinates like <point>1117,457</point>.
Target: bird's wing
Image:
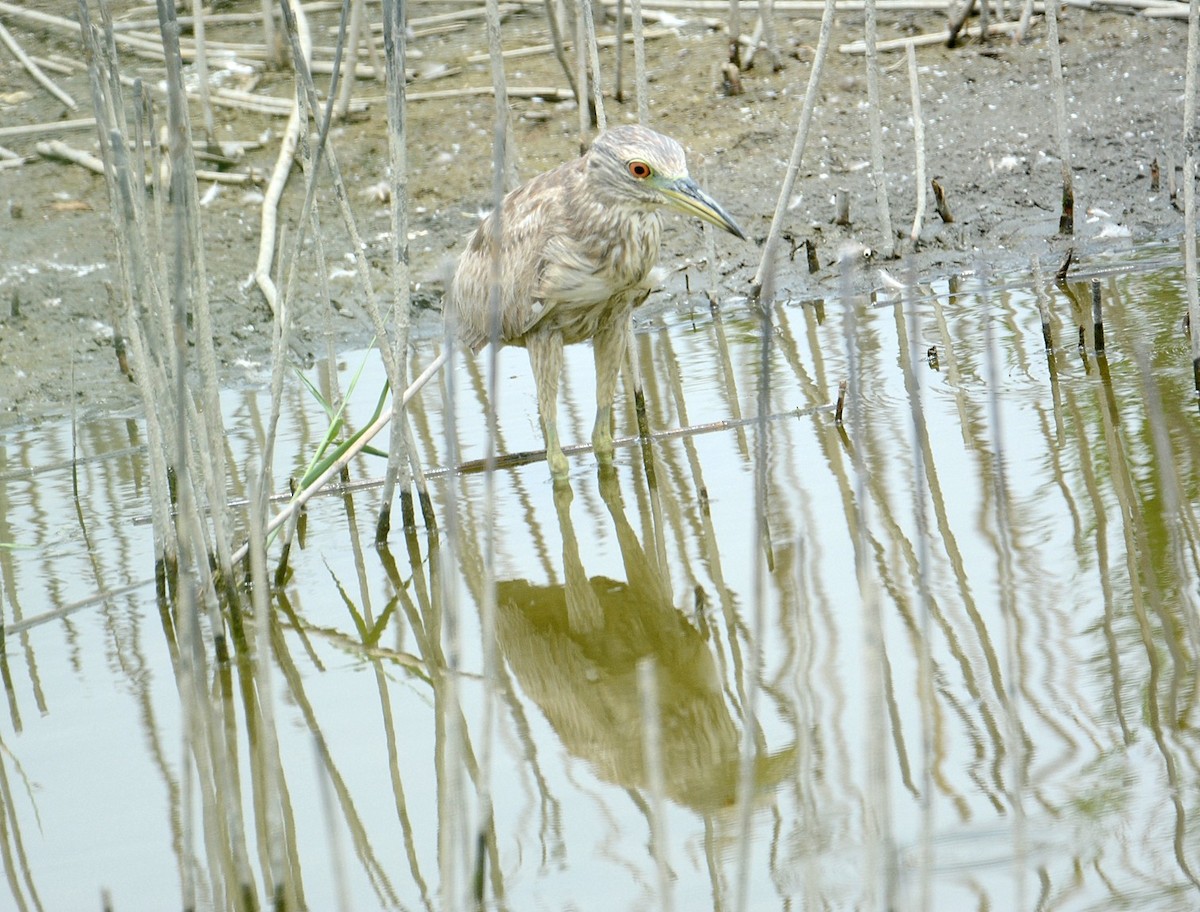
<point>533,215</point>
<point>543,260</point>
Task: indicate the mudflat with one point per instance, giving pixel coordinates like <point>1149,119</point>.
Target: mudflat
<point>989,137</point>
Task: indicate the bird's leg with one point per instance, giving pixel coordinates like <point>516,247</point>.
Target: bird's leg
<point>609,345</point>
<point>546,358</point>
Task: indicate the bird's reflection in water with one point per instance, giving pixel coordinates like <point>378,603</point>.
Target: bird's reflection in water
<point>575,649</point>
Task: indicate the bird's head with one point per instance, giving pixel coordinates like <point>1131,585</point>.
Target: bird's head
<point>635,164</point>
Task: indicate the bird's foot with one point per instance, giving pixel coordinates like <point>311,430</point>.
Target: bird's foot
<point>557,460</point>
<point>602,438</point>
<point>602,446</point>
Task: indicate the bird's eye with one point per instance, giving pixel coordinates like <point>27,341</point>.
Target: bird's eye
<point>640,169</point>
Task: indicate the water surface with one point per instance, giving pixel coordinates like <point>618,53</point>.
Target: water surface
<point>941,655</point>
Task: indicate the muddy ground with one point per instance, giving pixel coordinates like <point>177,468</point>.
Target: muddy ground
<point>989,136</point>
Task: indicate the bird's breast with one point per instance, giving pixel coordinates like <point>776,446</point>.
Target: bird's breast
<point>593,268</point>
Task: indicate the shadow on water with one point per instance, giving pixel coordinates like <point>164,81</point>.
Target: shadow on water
<point>965,653</point>
<point>574,649</point>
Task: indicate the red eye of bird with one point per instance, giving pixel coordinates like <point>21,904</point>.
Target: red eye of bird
<point>640,170</point>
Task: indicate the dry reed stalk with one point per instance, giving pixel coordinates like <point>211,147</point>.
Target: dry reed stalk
<point>201,66</point>
<point>261,104</point>
<point>1015,741</point>
<point>1022,30</point>
<point>1169,10</point>
<point>556,44</point>
<point>269,798</point>
<point>897,44</point>
<point>1066,221</point>
<point>957,17</point>
<point>770,35</point>
<point>269,212</point>
<point>34,70</point>
<point>728,375</point>
<point>81,123</point>
<point>311,158</point>
<point>1147,7</point>
<point>594,60</point>
<point>670,361</point>
<point>348,43</point>
<point>940,204</point>
<point>841,207</point>
<point>134,288</point>
<point>201,438</point>
<point>190,285</point>
<point>639,63</point>
<point>511,460</point>
<point>533,50</point>
<point>878,823</point>
<point>734,31</point>
<point>271,43</point>
<point>878,170</point>
<point>373,46</point>
<point>793,167</point>
<point>116,110</point>
<point>395,50</point>
<point>807,6</point>
<point>1181,521</point>
<point>652,763</point>
<point>503,177</point>
<point>918,147</point>
<point>908,325</point>
<point>548,93</point>
<point>445,563</point>
<point>206,736</point>
<point>619,36</point>
<point>1097,318</point>
<point>365,436</point>
<point>1191,138</point>
<point>586,117</point>
<point>1043,310</point>
<point>54,149</point>
<point>763,560</point>
<point>56,66</point>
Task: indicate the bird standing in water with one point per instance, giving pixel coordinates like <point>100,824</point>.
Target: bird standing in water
<point>577,244</point>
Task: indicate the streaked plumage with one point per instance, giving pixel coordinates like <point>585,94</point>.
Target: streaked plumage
<point>578,244</point>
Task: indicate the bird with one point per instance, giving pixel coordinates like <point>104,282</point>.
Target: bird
<point>577,245</point>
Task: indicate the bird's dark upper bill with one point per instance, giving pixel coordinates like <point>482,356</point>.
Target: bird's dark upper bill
<point>686,196</point>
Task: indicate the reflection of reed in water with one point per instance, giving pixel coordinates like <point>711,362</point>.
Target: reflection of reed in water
<point>575,649</point>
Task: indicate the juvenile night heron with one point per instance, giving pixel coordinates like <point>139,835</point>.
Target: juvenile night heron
<point>578,243</point>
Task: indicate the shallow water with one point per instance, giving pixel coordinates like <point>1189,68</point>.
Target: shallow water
<point>981,696</point>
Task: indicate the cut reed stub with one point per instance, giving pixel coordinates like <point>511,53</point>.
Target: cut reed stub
<point>842,207</point>
<point>1047,330</point>
<point>1066,222</point>
<point>841,402</point>
<point>1155,176</point>
<point>731,80</point>
<point>1097,317</point>
<point>810,250</point>
<point>122,356</point>
<point>643,422</point>
<point>1061,275</point>
<point>939,202</point>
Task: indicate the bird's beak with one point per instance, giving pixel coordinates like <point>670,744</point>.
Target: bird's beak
<point>686,196</point>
